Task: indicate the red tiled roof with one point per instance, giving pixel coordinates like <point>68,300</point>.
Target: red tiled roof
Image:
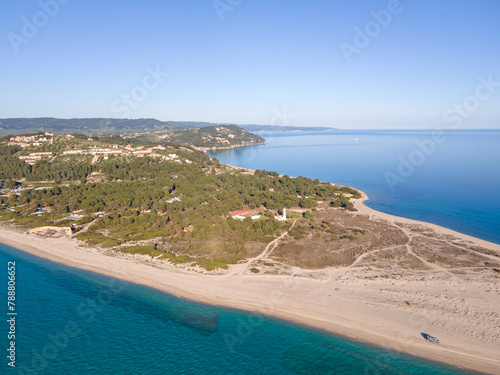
<point>239,212</point>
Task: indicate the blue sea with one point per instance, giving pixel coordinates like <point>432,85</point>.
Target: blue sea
<point>75,322</point>
<point>450,179</point>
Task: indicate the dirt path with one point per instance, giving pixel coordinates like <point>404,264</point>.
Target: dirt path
<point>240,269</point>
<point>85,228</point>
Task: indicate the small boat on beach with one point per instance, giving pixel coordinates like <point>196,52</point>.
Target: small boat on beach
<point>430,338</point>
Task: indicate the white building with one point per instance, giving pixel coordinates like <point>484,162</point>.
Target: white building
<point>281,218</point>
<point>172,200</point>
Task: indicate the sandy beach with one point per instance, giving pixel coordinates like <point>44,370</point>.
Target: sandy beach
<point>390,309</point>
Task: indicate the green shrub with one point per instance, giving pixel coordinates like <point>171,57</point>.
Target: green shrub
<point>138,249</point>
<point>210,265</point>
<point>92,238</point>
<point>111,242</point>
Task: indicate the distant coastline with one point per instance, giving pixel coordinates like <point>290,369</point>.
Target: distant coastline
<point>205,149</point>
<point>279,128</point>
<point>109,126</point>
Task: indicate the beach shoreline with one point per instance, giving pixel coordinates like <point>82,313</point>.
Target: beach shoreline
<point>337,303</point>
<point>362,208</point>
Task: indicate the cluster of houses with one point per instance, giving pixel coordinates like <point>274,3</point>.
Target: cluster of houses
<point>19,189</point>
<point>139,151</point>
<point>33,157</point>
<point>38,140</point>
<point>29,140</point>
<point>115,149</point>
<point>97,152</point>
<point>35,140</point>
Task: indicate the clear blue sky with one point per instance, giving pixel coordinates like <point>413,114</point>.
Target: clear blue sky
<point>262,57</point>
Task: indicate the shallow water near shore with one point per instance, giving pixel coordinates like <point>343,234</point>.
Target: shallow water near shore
<point>452,180</point>
<point>72,321</point>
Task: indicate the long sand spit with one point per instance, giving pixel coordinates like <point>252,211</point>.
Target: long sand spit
<point>389,312</point>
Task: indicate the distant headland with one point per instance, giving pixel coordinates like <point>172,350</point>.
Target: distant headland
<point>113,126</point>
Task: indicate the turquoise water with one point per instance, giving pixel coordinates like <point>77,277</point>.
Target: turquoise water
<point>76,322</point>
<point>451,180</point>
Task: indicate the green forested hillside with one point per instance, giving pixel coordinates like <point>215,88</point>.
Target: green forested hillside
<point>199,134</point>
<point>170,201</point>
<point>89,126</point>
<point>208,137</point>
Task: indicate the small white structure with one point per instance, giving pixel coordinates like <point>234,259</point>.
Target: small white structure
<point>255,217</point>
<point>172,200</point>
<point>281,218</point>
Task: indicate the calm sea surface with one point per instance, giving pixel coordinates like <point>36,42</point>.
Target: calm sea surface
<point>451,180</point>
<point>75,322</point>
